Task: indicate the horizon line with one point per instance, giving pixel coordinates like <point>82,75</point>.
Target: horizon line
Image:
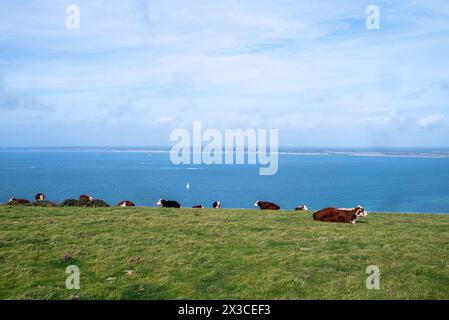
<point>170,146</point>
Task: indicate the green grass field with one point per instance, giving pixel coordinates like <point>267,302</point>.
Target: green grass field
<point>219,254</point>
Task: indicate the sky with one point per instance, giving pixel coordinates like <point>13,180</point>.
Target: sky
<point>137,69</point>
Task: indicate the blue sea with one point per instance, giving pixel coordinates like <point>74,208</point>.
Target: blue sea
<point>380,180</point>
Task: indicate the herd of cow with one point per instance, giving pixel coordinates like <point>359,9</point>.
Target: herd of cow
<point>347,215</point>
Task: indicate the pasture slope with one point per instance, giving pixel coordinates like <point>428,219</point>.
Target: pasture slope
<point>154,253</point>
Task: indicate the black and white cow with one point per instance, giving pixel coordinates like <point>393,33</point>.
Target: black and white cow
<point>168,203</point>
<point>216,205</point>
<point>200,206</point>
<point>19,201</point>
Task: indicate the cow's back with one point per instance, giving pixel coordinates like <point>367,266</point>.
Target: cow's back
<point>323,213</point>
<point>263,205</point>
<point>334,215</point>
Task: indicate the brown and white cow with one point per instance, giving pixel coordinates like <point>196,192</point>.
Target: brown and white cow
<point>85,198</point>
<point>200,206</point>
<point>346,215</point>
<point>126,203</point>
<point>39,197</point>
<point>263,205</point>
<point>302,208</point>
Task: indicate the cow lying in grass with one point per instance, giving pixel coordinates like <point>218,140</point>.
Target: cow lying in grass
<point>126,203</point>
<point>263,205</point>
<point>18,201</point>
<point>39,197</point>
<point>340,214</point>
<point>168,204</point>
<point>85,198</point>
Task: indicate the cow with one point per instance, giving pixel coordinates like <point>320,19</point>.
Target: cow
<point>168,204</point>
<point>126,203</point>
<point>301,208</point>
<point>198,207</point>
<point>345,215</point>
<point>85,198</point>
<point>263,205</point>
<point>19,201</point>
<point>216,205</point>
<point>39,197</point>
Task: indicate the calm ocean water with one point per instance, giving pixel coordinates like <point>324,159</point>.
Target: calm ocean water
<point>380,183</point>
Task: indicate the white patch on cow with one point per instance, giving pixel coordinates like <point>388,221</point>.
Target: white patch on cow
<point>123,204</point>
<point>257,203</point>
<point>305,208</point>
<point>363,212</point>
<point>159,203</point>
<point>10,200</point>
<point>91,199</point>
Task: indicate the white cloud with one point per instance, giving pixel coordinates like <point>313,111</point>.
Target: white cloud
<point>435,121</point>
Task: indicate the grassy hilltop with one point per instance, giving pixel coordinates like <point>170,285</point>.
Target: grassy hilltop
<point>219,254</point>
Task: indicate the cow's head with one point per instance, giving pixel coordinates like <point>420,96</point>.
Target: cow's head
<point>217,204</point>
<point>257,203</point>
<point>11,200</point>
<point>360,211</point>
<point>159,203</point>
<point>40,197</point>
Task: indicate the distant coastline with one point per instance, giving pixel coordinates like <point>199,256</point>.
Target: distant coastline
<point>433,153</point>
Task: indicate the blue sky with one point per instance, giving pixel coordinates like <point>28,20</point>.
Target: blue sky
<point>137,69</point>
